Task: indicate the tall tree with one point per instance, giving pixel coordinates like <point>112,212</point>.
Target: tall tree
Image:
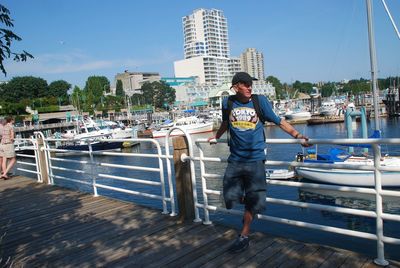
<point>279,91</point>
<point>119,91</point>
<point>328,89</point>
<point>93,91</point>
<point>76,98</point>
<point>22,87</point>
<point>59,88</point>
<point>6,38</point>
<point>158,94</point>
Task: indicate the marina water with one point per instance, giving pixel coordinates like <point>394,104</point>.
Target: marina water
<point>284,152</point>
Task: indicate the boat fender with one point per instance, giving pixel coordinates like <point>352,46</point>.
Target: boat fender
<point>299,157</point>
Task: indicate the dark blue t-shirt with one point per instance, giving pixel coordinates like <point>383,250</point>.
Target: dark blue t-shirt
<point>247,141</point>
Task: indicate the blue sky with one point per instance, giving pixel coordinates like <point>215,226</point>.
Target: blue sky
<point>306,40</point>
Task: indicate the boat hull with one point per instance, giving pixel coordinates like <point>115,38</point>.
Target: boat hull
<point>98,146</point>
<point>191,129</point>
<point>349,177</point>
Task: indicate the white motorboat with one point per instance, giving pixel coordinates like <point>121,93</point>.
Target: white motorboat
<point>191,125</point>
<point>297,114</point>
<point>279,174</point>
<point>350,177</point>
<point>328,108</point>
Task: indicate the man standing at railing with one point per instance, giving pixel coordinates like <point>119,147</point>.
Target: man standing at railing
<point>244,181</point>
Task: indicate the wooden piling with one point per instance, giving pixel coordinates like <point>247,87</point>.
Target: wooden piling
<point>42,161</point>
<point>184,189</point>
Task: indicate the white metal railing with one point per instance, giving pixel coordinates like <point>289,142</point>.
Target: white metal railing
<point>377,191</point>
<point>54,165</point>
<point>93,177</point>
<point>27,151</point>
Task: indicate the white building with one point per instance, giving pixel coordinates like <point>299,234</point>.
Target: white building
<point>206,48</point>
<point>252,62</point>
<point>132,81</point>
<point>210,70</point>
<point>205,34</point>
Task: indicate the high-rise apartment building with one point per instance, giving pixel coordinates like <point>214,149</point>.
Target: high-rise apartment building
<point>206,47</point>
<point>252,62</point>
<point>205,34</point>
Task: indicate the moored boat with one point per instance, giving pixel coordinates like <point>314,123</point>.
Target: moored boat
<point>349,177</point>
<point>191,124</point>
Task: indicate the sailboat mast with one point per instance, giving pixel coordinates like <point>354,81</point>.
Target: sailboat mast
<point>372,55</point>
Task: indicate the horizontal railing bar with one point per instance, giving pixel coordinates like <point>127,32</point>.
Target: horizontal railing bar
<point>27,164</point>
<point>391,217</point>
<point>351,211</point>
<point>134,155</point>
<point>391,240</point>
<point>71,170</point>
<point>66,151</point>
<point>130,167</point>
<point>209,159</point>
<point>128,191</point>
<point>323,186</point>
<point>70,160</point>
<point>26,155</point>
<point>69,179</point>
<point>155,183</point>
<point>209,191</point>
<point>322,141</point>
<point>28,170</point>
<point>390,193</point>
<point>212,176</point>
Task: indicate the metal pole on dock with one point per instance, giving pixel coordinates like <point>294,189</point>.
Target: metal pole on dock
<point>380,260</point>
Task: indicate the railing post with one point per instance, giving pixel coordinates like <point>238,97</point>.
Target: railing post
<point>42,160</point>
<point>184,187</point>
<point>380,260</point>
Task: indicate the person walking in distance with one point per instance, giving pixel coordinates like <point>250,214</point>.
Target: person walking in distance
<point>243,116</point>
<point>2,123</point>
<point>7,147</point>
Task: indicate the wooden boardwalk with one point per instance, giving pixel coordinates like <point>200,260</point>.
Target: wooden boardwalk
<point>48,226</point>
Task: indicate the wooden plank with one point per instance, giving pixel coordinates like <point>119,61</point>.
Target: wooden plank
<point>258,242</point>
<point>334,260</point>
<point>299,257</point>
<point>284,254</point>
<point>65,234</point>
<point>266,253</point>
<point>318,257</point>
<point>144,251</point>
<point>209,249</point>
<point>56,213</point>
<point>122,246</point>
<point>195,242</point>
<point>76,244</point>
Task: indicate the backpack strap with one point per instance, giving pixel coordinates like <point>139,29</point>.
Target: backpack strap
<point>226,112</point>
<point>256,104</point>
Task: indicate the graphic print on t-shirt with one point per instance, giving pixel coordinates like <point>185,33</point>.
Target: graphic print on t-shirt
<point>243,118</point>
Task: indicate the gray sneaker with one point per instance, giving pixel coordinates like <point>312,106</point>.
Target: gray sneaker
<point>240,244</point>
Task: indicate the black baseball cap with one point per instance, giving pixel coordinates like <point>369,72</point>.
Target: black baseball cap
<point>243,77</point>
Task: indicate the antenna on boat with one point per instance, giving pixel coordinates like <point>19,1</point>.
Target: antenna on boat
<point>372,55</point>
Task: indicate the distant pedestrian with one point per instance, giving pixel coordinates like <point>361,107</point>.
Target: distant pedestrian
<point>2,123</point>
<point>7,147</point>
<point>243,115</point>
